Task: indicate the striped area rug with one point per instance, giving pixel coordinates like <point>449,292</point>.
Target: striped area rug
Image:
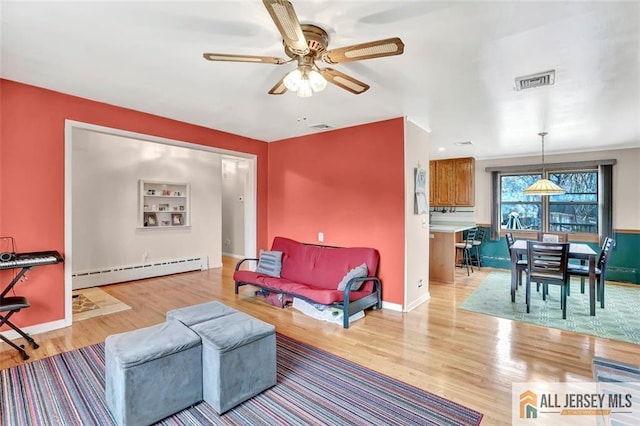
<point>314,388</point>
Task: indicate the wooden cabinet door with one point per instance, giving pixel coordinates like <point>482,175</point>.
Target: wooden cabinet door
<point>433,188</point>
<point>444,183</point>
<point>463,175</point>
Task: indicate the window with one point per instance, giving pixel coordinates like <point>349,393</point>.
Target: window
<point>519,211</point>
<point>576,211</point>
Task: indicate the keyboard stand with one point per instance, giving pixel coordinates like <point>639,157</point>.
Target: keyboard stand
<point>13,304</point>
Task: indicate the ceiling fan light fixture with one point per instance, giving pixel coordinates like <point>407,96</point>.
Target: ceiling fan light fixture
<point>317,81</point>
<point>305,82</point>
<point>304,91</point>
<point>292,80</point>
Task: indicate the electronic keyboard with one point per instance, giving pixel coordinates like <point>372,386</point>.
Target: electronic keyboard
<point>27,260</point>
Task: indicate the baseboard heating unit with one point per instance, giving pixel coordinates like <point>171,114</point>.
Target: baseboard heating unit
<point>104,276</point>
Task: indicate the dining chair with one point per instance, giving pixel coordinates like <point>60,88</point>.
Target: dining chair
<point>547,263</point>
<point>553,237</point>
<point>601,267</point>
<point>521,264</point>
<point>466,247</point>
<point>477,242</point>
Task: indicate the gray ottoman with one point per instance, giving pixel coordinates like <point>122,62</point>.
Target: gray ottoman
<point>152,372</point>
<point>238,359</point>
<point>195,314</point>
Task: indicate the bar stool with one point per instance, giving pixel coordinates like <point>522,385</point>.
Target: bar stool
<point>476,245</point>
<point>466,247</point>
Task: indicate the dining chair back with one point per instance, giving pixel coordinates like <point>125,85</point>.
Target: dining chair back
<point>508,237</point>
<point>518,263</point>
<point>601,268</point>
<point>553,237</point>
<point>547,263</point>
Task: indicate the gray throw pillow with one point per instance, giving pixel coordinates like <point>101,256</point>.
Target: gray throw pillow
<point>357,272</point>
<point>270,263</point>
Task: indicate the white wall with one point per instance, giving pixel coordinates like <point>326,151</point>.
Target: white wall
<point>105,207</point>
<point>416,152</point>
<point>626,183</point>
<point>234,176</point>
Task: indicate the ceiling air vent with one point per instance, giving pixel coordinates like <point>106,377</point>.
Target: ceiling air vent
<point>465,143</point>
<point>546,78</point>
<point>320,126</point>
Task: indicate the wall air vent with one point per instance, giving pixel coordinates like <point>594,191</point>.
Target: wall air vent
<point>465,143</point>
<point>546,78</point>
<point>320,126</point>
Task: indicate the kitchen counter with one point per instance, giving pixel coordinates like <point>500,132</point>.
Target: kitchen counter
<point>442,249</point>
<point>450,227</point>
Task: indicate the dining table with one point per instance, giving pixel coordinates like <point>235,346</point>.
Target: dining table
<point>579,251</point>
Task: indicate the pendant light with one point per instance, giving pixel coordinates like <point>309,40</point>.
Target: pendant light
<point>543,186</point>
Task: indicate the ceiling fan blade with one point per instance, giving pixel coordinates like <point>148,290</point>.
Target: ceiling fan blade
<point>243,58</point>
<point>357,52</point>
<point>279,88</point>
<point>344,81</point>
<point>286,20</point>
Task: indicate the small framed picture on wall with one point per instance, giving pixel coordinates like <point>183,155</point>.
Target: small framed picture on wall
<point>177,219</point>
<point>150,219</point>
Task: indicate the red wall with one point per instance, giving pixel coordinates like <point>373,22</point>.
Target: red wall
<point>349,184</point>
<point>32,176</point>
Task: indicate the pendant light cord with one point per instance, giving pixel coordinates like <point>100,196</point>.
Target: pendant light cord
<point>542,134</point>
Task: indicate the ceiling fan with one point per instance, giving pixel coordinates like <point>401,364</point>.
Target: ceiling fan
<point>306,44</point>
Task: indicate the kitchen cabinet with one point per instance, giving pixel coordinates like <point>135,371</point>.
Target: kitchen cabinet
<point>452,182</point>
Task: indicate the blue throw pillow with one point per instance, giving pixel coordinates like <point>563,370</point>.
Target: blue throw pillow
<point>270,263</point>
<point>357,272</point>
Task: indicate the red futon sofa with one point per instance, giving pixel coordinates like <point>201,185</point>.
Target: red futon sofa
<point>313,273</point>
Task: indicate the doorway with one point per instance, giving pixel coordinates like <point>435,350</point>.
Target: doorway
<point>235,174</point>
<point>74,129</point>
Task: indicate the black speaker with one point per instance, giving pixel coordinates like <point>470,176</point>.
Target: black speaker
<point>6,256</point>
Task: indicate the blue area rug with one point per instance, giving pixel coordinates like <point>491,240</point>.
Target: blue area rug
<point>314,387</point>
<point>620,320</point>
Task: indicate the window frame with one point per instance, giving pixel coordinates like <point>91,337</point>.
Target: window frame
<point>606,177</point>
<point>545,204</point>
<point>595,204</point>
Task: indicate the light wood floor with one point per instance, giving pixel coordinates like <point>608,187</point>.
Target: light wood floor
<point>469,358</point>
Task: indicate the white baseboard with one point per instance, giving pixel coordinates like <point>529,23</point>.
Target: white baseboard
<point>418,302</point>
<point>391,306</point>
<point>118,274</point>
<point>235,256</point>
<point>35,329</point>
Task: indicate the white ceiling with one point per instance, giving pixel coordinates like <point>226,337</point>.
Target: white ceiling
<point>455,78</point>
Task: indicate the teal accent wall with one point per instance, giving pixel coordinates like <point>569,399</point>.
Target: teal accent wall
<point>624,265</point>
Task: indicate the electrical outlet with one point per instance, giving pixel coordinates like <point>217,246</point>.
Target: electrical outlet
<point>320,236</point>
<point>228,241</point>
<point>420,283</point>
